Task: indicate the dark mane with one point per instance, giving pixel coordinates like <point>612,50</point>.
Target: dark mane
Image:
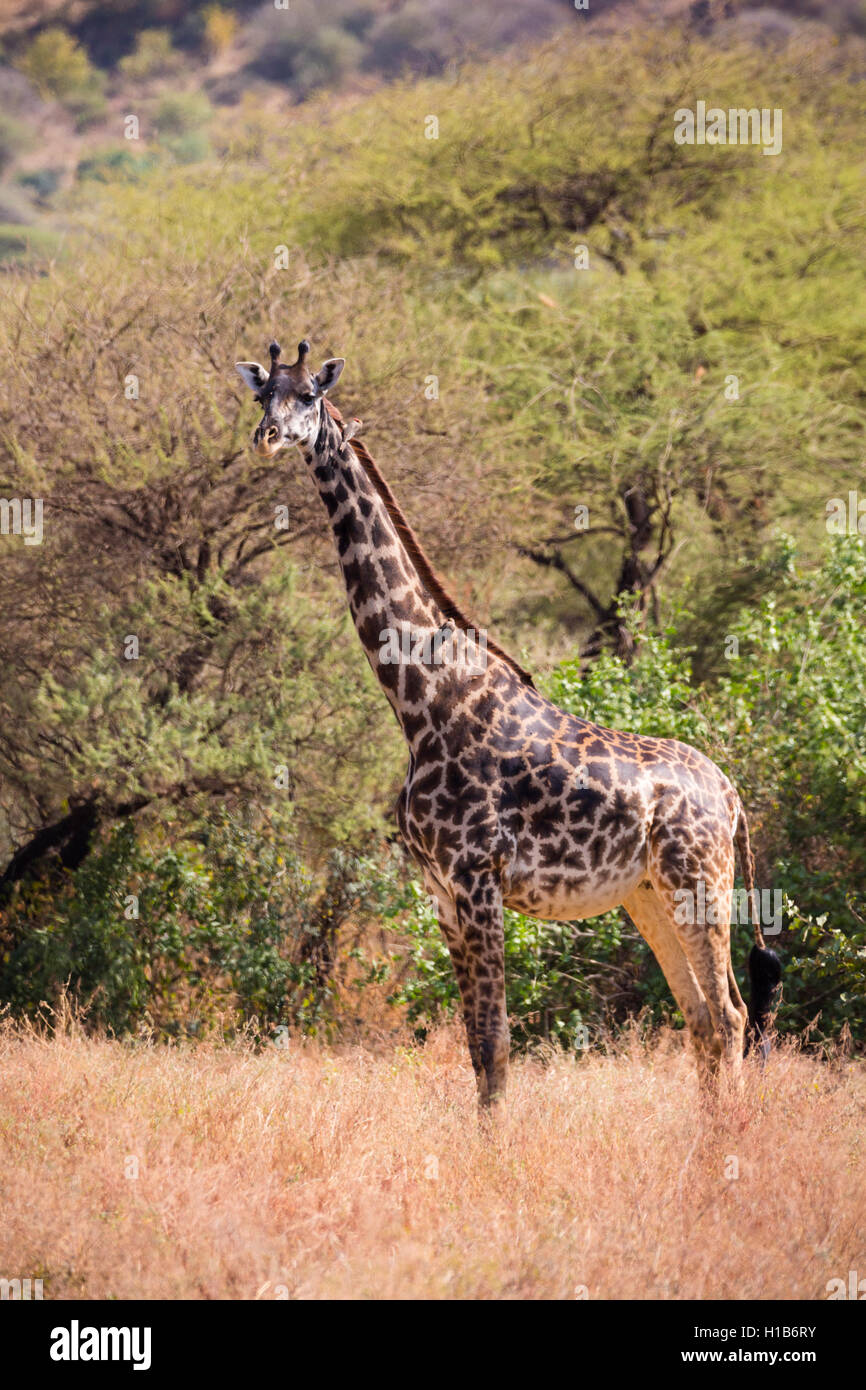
<point>425,571</point>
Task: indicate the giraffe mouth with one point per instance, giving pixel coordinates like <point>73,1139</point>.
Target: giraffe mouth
<point>266,449</point>
<point>269,441</point>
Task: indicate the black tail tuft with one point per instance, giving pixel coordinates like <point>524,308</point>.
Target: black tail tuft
<point>765,977</point>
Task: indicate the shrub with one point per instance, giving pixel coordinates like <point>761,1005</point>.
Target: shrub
<point>308,54</point>
<point>560,979</point>
<point>20,243</point>
<point>58,67</point>
<point>180,119</point>
<point>154,56</point>
<point>43,182</point>
<point>224,927</point>
<point>191,148</point>
<point>219,28</point>
<point>404,39</point>
<point>180,113</point>
<point>115,165</point>
<point>326,57</point>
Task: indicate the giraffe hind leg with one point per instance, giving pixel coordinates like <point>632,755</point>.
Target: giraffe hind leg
<point>695,890</point>
<point>646,910</point>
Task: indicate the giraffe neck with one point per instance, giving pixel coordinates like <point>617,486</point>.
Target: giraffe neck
<point>399,624</point>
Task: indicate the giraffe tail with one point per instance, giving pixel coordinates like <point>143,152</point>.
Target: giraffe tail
<point>765,968</point>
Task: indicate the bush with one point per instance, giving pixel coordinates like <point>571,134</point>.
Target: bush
<point>405,39</point>
<point>326,57</point>
<point>224,928</point>
<point>191,148</point>
<point>787,722</point>
<point>25,244</point>
<point>219,28</point>
<point>181,113</point>
<point>560,980</point>
<point>310,53</point>
<point>154,56</point>
<point>58,67</point>
<point>115,165</point>
<point>43,182</point>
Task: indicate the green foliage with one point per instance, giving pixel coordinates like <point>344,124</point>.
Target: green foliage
<point>181,119</point>
<point>653,696</point>
<point>59,67</point>
<point>154,56</point>
<point>388,38</point>
<point>630,369</point>
<point>191,148</point>
<point>786,721</point>
<point>326,57</point>
<point>789,717</point>
<point>56,64</point>
<point>26,244</point>
<point>114,164</point>
<point>130,732</point>
<point>180,113</point>
<point>317,50</point>
<point>219,27</point>
<point>560,978</point>
<point>43,182</point>
<point>231,930</point>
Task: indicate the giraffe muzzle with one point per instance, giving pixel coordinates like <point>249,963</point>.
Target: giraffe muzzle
<point>268,441</point>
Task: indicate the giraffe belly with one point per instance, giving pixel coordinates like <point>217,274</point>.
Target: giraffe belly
<point>570,895</point>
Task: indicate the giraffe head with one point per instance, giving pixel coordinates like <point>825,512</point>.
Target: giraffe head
<point>291,397</point>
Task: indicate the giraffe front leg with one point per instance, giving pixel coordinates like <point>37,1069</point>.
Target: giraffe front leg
<point>478,903</point>
<point>450,928</point>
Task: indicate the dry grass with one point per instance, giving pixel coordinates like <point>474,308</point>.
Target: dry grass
<point>338,1173</point>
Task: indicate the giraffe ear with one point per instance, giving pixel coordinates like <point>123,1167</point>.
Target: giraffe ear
<point>329,374</point>
<point>254,375</point>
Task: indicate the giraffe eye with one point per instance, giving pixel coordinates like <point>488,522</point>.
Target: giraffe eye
<point>308,398</point>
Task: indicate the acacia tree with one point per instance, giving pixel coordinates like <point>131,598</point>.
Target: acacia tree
<point>181,632</point>
<point>641,522</point>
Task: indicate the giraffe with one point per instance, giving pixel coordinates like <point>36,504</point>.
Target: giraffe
<point>509,801</point>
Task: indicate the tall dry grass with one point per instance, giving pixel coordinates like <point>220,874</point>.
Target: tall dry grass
<point>322,1173</point>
